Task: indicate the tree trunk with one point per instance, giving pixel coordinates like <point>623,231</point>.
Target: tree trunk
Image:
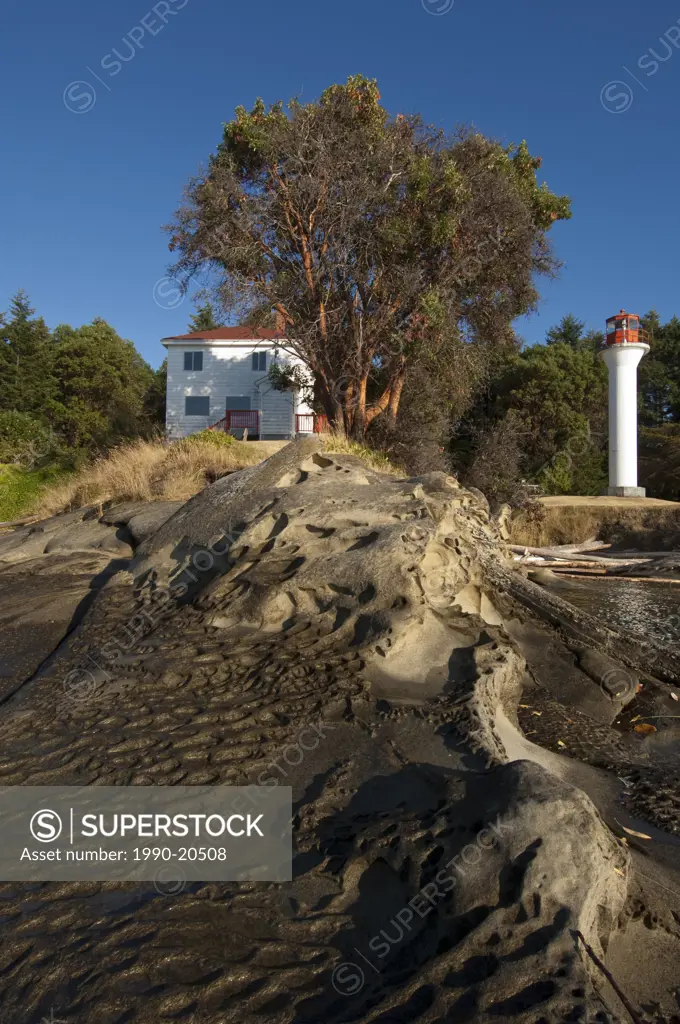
<point>657,657</point>
<point>395,396</point>
<point>333,409</point>
<point>355,409</point>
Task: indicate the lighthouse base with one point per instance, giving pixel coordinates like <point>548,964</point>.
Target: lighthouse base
<point>626,492</point>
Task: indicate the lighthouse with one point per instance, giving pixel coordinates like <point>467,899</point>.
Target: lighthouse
<point>625,345</point>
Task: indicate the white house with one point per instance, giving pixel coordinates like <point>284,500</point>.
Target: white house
<point>220,379</point>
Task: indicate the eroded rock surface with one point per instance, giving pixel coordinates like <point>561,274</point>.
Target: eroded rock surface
<point>312,623</point>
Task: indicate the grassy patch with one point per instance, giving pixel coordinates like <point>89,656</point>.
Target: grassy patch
<point>213,438</point>
<point>21,489</point>
<point>650,529</point>
<point>155,471</point>
<point>376,460</point>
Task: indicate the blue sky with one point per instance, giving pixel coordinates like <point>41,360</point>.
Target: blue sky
<point>85,191</point>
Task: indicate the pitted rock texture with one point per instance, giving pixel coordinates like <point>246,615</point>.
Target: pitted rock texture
<point>73,531</point>
<point>312,623</point>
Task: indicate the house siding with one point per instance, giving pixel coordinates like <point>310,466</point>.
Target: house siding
<point>227,372</point>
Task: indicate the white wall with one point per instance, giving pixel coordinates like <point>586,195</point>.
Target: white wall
<point>622,362</point>
<point>227,371</point>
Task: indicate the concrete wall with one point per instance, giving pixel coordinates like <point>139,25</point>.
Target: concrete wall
<point>227,372</point>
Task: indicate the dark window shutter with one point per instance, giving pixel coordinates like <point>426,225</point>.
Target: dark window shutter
<point>197,405</point>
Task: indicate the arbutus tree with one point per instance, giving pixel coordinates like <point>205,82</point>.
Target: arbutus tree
<point>380,242</point>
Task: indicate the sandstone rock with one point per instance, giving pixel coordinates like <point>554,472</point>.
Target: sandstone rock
<point>71,531</point>
<point>366,640</point>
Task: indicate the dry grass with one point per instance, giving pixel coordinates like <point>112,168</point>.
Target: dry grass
<point>153,471</point>
<point>561,525</point>
<point>156,471</point>
<point>341,445</point>
<point>605,501</point>
<point>655,528</point>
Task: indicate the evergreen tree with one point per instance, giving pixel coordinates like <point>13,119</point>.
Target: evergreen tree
<point>154,400</point>
<point>85,388</point>
<point>659,372</point>
<point>652,324</point>
<point>569,331</point>
<point>25,358</point>
<point>593,340</point>
<point>204,319</point>
<point>557,396</point>
<point>101,383</point>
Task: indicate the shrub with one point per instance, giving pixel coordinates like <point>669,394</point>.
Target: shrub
<point>496,460</point>
<point>24,440</point>
<point>342,445</point>
<point>21,489</point>
<point>660,461</point>
<point>216,438</point>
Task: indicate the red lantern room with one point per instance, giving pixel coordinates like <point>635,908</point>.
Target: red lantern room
<point>624,329</point>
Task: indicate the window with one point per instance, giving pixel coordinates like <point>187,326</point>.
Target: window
<point>237,403</point>
<point>634,323</point>
<point>195,405</point>
<point>611,327</point>
<point>193,361</point>
<point>259,360</point>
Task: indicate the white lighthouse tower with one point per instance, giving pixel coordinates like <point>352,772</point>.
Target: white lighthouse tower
<point>624,347</point>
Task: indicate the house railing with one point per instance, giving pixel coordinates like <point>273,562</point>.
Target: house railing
<point>627,337</point>
<point>239,419</point>
<point>309,423</point>
<point>249,419</point>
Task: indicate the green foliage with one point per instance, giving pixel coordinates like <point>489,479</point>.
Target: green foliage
<point>100,385</point>
<point>378,239</point>
<point>579,468</point>
<point>153,411</point>
<point>25,350</point>
<point>20,489</point>
<point>204,319</point>
<point>659,458</point>
<point>561,393</point>
<point>558,393</point>
<point>76,390</point>
<point>291,378</point>
<point>495,466</point>
<point>546,206</point>
<point>24,440</point>
<point>570,331</point>
<point>659,372</point>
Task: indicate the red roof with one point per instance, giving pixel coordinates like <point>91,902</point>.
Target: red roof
<point>228,334</point>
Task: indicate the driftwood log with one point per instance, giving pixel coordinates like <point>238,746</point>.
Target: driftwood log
<point>649,656</point>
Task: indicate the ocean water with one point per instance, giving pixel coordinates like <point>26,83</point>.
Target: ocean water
<point>644,608</point>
